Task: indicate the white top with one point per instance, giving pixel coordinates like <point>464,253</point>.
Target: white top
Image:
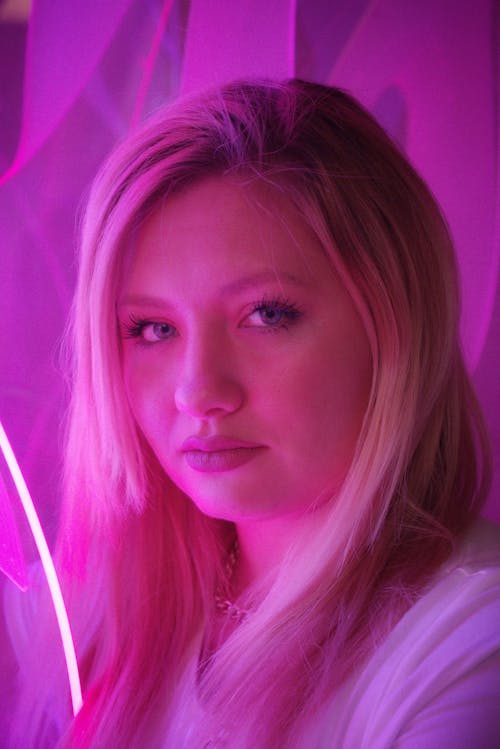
<point>434,683</point>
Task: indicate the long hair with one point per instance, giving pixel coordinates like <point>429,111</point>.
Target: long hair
<point>140,560</point>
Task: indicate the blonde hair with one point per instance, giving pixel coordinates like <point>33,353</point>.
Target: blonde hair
<point>141,561</point>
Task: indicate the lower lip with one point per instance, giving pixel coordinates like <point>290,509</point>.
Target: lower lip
<point>220,460</point>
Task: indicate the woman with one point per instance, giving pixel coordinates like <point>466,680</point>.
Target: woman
<point>275,460</point>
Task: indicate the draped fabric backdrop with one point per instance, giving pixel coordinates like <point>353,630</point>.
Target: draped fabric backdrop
<point>76,76</point>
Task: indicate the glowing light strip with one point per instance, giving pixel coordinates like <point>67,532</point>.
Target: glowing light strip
<point>49,569</point>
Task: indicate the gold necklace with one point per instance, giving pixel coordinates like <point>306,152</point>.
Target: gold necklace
<point>222,603</point>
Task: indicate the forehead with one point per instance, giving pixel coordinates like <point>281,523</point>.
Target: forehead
<point>221,229</point>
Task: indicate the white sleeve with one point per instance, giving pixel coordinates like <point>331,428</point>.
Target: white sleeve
<point>466,715</point>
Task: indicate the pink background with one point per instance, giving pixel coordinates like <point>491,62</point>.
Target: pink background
<point>76,77</point>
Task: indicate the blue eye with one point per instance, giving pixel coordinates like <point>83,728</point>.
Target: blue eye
<point>267,315</point>
<point>274,314</point>
<point>148,331</point>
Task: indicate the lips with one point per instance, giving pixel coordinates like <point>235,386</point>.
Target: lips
<point>216,443</point>
<point>218,454</point>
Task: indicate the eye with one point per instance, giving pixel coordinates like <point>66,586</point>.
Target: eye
<point>148,330</point>
<point>273,314</point>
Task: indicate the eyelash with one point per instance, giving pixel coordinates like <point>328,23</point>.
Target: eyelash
<point>291,312</point>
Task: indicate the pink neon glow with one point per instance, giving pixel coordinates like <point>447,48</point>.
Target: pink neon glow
<point>92,69</point>
<point>49,569</point>
<point>82,73</point>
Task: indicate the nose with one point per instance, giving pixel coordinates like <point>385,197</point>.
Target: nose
<point>207,383</point>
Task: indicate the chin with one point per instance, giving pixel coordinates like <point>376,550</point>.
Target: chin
<point>241,511</point>
<point>234,513</point>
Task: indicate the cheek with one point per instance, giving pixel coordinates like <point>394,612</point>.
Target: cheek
<point>329,394</point>
<point>350,383</point>
<point>145,395</point>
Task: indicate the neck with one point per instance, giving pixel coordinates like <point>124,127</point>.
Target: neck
<point>264,544</point>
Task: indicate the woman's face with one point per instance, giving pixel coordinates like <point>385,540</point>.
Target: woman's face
<point>234,325</point>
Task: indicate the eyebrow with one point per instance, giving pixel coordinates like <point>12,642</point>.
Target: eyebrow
<point>234,287</point>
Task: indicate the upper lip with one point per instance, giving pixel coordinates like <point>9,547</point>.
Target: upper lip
<point>215,443</point>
